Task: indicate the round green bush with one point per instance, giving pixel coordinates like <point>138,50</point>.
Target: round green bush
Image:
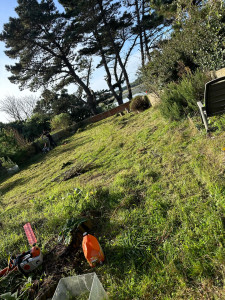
<point>140,103</point>
<point>60,121</point>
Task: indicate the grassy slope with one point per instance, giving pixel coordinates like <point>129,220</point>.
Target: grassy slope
<point>156,193</point>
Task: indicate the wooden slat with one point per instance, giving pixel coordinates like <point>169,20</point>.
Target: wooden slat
<point>215,113</point>
<point>216,94</point>
<point>218,84</point>
<point>217,101</point>
<point>215,98</point>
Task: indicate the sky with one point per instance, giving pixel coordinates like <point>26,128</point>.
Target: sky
<point>9,89</point>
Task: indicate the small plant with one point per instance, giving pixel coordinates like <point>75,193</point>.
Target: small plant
<point>60,121</point>
<point>9,296</point>
<point>71,225</point>
<point>140,103</point>
<point>218,122</point>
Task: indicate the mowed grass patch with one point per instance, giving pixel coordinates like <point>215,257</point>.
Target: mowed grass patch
<point>155,193</point>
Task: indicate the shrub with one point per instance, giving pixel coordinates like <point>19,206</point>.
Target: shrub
<point>34,126</point>
<point>180,99</point>
<point>60,121</point>
<point>8,143</point>
<point>140,103</point>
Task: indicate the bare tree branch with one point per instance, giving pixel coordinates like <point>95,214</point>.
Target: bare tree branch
<point>18,108</point>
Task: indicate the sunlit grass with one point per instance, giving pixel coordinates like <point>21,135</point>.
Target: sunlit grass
<point>155,193</point>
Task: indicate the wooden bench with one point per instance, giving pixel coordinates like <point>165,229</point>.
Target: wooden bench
<point>214,99</point>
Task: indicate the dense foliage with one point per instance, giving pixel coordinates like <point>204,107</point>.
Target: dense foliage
<point>180,98</point>
<point>196,41</point>
<point>16,138</point>
<point>31,128</point>
<point>8,145</point>
<point>139,103</point>
<point>61,121</point>
<point>53,103</point>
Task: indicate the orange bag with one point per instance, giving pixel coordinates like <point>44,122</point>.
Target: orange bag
<point>92,250</point>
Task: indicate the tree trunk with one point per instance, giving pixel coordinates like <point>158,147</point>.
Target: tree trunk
<point>91,103</point>
<point>120,96</point>
<point>147,52</point>
<point>109,77</point>
<point>90,97</point>
<point>116,50</point>
<point>140,33</point>
<point>146,46</point>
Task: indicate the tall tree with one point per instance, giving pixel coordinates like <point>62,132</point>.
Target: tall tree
<point>197,43</point>
<point>170,10</point>
<point>110,59</point>
<point>147,26</point>
<point>105,30</point>
<point>105,6</point>
<point>165,8</point>
<point>45,43</point>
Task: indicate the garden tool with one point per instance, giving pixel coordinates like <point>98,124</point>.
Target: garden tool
<point>27,261</point>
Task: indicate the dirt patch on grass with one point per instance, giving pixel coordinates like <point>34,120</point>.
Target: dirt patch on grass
<point>58,263</point>
<point>61,261</point>
<point>75,171</point>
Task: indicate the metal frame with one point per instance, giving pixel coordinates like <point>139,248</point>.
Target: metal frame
<point>203,115</point>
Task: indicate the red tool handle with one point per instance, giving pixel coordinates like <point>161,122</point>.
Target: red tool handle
<point>30,234</point>
<point>7,270</point>
<point>2,272</point>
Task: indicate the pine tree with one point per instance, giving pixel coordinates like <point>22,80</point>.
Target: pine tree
<point>148,26</point>
<point>45,44</point>
<point>106,31</point>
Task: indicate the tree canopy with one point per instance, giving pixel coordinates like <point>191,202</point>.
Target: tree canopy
<point>196,41</point>
<point>54,49</point>
<point>45,44</point>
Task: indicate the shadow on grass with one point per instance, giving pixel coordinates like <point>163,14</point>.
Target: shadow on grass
<point>41,157</point>
<point>61,149</point>
<point>120,259</point>
<point>8,186</point>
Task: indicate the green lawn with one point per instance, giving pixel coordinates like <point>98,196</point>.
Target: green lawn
<point>155,192</point>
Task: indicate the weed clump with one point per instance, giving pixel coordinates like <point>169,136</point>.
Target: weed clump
<point>139,103</point>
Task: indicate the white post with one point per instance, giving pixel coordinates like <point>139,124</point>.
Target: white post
<point>203,114</point>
